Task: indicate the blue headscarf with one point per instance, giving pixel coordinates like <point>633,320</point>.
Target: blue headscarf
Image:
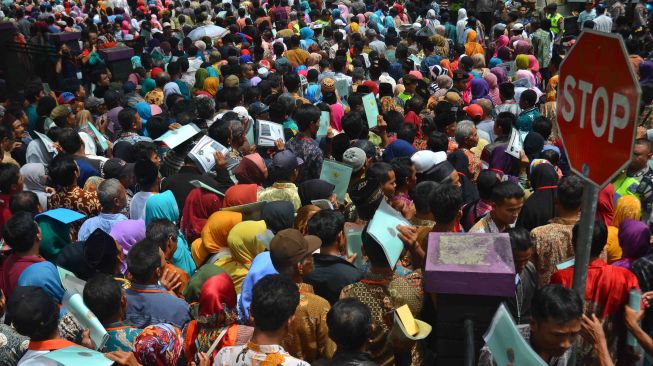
<point>164,206</point>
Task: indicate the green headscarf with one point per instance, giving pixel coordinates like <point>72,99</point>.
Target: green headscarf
<point>54,237</point>
<point>164,206</point>
<point>200,75</point>
<point>193,287</point>
<point>148,85</point>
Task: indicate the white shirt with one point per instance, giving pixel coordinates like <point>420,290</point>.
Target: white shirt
<point>137,205</point>
<point>603,23</point>
<point>33,358</point>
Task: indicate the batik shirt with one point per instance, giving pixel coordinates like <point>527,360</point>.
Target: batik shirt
<point>307,149</point>
<point>552,246</point>
<point>121,337</point>
<point>76,199</point>
<point>253,354</point>
<point>12,345</point>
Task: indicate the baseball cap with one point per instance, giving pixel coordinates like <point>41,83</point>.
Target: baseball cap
<point>116,168</point>
<point>231,81</point>
<point>262,72</point>
<point>289,247</point>
<point>474,111</point>
<point>354,157</point>
<point>460,75</point>
<point>517,27</point>
<point>286,160</point>
<point>166,24</point>
<point>60,111</point>
<point>552,6</point>
<point>66,97</point>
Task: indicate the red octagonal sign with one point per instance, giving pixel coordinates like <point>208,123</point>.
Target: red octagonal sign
<point>598,96</point>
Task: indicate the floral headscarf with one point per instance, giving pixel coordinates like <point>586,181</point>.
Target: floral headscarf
<point>158,345</point>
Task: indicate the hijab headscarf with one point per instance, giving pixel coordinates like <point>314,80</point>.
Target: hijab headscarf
<point>502,41</point>
<point>55,235</point>
<point>211,85</point>
<point>127,233</point>
<point>315,189</point>
<point>521,62</point>
<point>240,194</point>
<point>303,215</point>
<point>635,240</point>
<point>447,65</point>
<point>646,73</point>
<point>251,170</point>
<point>200,75</point>
<point>144,111</point>
<point>243,246</point>
<point>504,163</point>
<point>278,215</point>
<point>472,47</point>
<point>164,206</point>
<point>34,180</point>
<point>480,90</point>
<point>494,88</point>
<point>500,73</point>
<point>533,145</point>
<point>199,205</point>
<point>158,345</point>
<point>605,207</point>
<point>148,85</point>
<point>525,74</point>
<point>628,207</point>
<point>461,24</point>
<point>194,285</point>
<point>214,235</point>
<point>522,47</point>
<point>539,208</point>
<point>171,88</point>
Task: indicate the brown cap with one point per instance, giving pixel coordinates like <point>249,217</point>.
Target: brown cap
<point>231,81</point>
<point>289,247</point>
<point>328,85</point>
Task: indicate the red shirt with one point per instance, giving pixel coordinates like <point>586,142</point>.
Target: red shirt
<point>607,286</point>
<point>12,268</point>
<point>5,214</point>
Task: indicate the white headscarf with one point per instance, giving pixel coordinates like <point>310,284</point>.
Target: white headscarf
<point>461,24</point>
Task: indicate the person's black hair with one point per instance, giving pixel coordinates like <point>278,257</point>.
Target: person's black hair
<point>42,321</point>
<point>394,120</point>
<point>557,304</point>
<point>274,300</point>
<point>20,231</point>
<point>126,118</point>
<point>373,250</point>
<point>32,91</point>
<point>543,126</point>
<point>443,120</point>
<point>588,24</point>
<point>232,96</point>
<point>421,196</point>
<point>326,225</point>
<point>102,294</point>
<point>507,90</point>
<point>355,102</point>
<point>143,259</point>
<point>407,132</point>
<point>380,171</point>
<point>352,125</point>
<point>599,237</point>
<point>292,82</point>
<point>173,68</point>
<point>69,140</point>
<point>156,126</point>
<point>185,111</point>
<point>160,230</point>
<point>644,142</point>
<point>143,150</point>
<point>62,170</point>
<point>529,97</point>
<point>402,168</point>
<point>551,156</point>
<point>26,201</point>
<point>306,115</point>
<point>220,132</point>
<point>437,141</point>
<point>445,202</point>
<point>8,176</point>
<point>146,173</point>
<point>570,192</point>
<point>350,324</point>
<point>505,120</point>
<point>506,190</point>
<point>485,182</point>
<point>520,239</point>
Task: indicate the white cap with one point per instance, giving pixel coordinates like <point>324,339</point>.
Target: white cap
<point>427,159</point>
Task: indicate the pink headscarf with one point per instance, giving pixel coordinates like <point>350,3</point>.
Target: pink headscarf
<point>525,74</point>
<point>534,66</point>
<point>522,47</point>
<point>494,87</point>
<point>502,41</point>
<point>344,11</point>
<point>361,19</point>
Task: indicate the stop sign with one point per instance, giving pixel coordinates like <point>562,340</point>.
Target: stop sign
<point>598,96</point>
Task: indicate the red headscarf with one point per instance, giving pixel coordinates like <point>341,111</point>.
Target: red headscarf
<point>240,194</point>
<point>605,208</point>
<point>200,204</point>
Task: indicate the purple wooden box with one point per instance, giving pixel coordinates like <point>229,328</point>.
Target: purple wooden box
<point>116,53</point>
<point>470,264</point>
<point>64,37</point>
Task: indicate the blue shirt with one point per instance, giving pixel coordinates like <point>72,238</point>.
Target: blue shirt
<point>526,119</point>
<point>261,267</point>
<point>152,304</point>
<point>102,221</point>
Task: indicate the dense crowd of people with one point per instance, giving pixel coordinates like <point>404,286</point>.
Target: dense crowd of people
<point>445,112</point>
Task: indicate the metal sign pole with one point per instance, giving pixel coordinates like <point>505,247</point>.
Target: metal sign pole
<point>587,217</point>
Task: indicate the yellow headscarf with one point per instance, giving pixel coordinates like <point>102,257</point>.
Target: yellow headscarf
<point>244,246</point>
<point>628,207</point>
<point>214,235</point>
<point>211,85</point>
<point>353,28</point>
<point>522,62</point>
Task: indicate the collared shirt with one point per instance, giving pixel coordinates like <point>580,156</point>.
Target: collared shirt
<point>330,274</point>
<point>308,150</point>
<point>526,119</point>
<point>486,225</point>
<point>121,337</point>
<point>253,354</point>
<point>102,221</point>
<point>308,333</point>
<point>152,304</point>
<point>281,192</point>
<point>585,16</point>
<point>37,349</point>
<point>485,358</point>
<point>383,294</point>
<point>603,23</point>
<point>552,246</point>
<point>508,106</point>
